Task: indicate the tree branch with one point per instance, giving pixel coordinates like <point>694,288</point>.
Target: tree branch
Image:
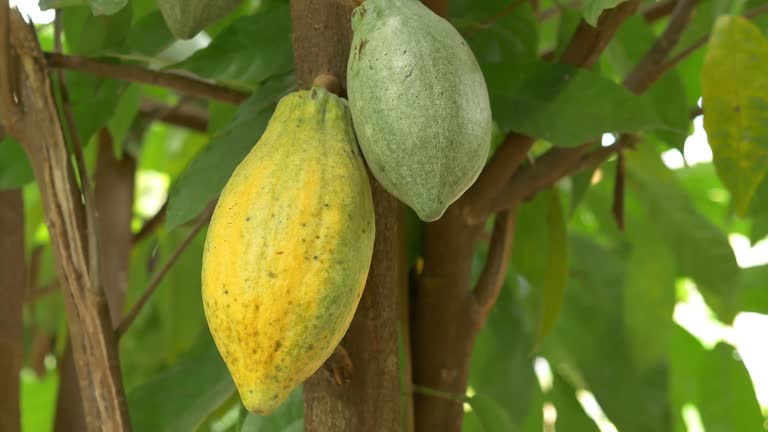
<point>130,317</point>
<point>85,179</point>
<point>649,69</point>
<point>180,83</point>
<point>35,123</point>
<point>496,264</point>
<point>659,10</point>
<point>682,55</point>
<point>583,50</point>
<point>181,115</point>
<point>12,269</point>
<point>589,42</point>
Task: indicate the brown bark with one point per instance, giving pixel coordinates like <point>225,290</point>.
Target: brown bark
<point>370,399</point>
<point>444,325</point>
<point>447,314</point>
<point>31,117</point>
<point>12,269</point>
<point>321,36</point>
<point>114,184</point>
<point>183,84</point>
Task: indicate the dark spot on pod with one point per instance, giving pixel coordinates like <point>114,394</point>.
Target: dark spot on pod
<point>271,275</point>
<point>278,344</point>
<point>313,94</point>
<point>326,205</point>
<point>315,258</point>
<point>311,346</point>
<point>226,292</point>
<point>248,219</point>
<point>279,252</point>
<point>317,237</point>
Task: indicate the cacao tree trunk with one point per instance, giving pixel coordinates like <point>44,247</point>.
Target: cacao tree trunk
<point>12,284</point>
<point>370,399</point>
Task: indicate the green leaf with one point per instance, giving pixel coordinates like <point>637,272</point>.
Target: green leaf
<point>182,396</point>
<point>734,82</point>
<point>541,254</point>
<point>589,341</point>
<point>593,9</point>
<point>287,418</point>
<point>123,116</point>
<point>580,184</point>
<point>15,170</point>
<point>570,414</point>
<point>761,21</point>
<point>178,300</point>
<point>148,36</point>
<point>38,400</point>
<point>93,101</point>
<point>104,32</point>
<point>569,22</point>
<point>250,50</point>
<point>754,284</point>
<point>491,415</point>
<point>649,295</point>
<point>563,104</point>
<point>496,31</point>
<point>701,249</point>
<point>684,358</point>
<point>107,7</point>
<point>203,180</point>
<point>727,399</point>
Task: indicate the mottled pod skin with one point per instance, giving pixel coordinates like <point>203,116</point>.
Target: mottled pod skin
<point>288,249</point>
<point>419,103</point>
<point>186,18</point>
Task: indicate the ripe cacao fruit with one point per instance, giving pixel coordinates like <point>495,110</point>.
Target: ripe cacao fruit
<point>419,103</point>
<point>186,18</point>
<point>288,249</point>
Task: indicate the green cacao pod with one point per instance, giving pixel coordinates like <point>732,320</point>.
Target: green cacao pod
<point>419,103</point>
<point>288,249</point>
<point>186,18</point>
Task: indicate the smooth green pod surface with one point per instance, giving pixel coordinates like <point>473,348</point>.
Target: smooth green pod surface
<point>419,103</point>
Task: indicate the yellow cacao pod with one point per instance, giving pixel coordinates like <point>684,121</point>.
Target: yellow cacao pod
<point>288,249</point>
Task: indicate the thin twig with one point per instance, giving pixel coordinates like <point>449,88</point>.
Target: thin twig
<point>439,394</point>
<point>151,225</point>
<point>682,55</point>
<point>658,10</point>
<point>130,317</point>
<point>182,115</point>
<point>82,167</point>
<point>496,264</point>
<point>696,112</point>
<point>183,84</point>
<point>6,82</point>
<point>618,194</point>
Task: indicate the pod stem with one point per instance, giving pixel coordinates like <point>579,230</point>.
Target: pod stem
<point>328,82</point>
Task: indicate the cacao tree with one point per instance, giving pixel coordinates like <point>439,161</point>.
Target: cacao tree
<point>583,276</point>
